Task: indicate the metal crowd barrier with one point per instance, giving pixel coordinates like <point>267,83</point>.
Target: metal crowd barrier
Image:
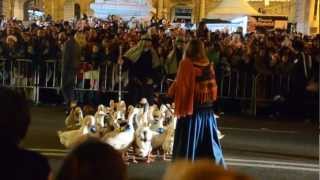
<point>104,78</point>
<point>256,89</point>
<point>236,86</point>
<point>269,86</point>
<point>239,86</point>
<point>3,73</point>
<point>21,73</point>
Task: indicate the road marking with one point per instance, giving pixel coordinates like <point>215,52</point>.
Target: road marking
<point>52,154</point>
<point>259,130</point>
<point>229,161</point>
<point>49,150</point>
<point>273,166</point>
<point>272,162</point>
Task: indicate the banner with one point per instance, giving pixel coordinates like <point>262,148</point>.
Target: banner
<point>267,22</point>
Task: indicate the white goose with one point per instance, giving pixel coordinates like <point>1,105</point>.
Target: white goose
<point>74,118</point>
<point>158,127</point>
<point>144,134</point>
<point>167,145</point>
<point>73,137</point>
<point>117,113</point>
<point>143,147</point>
<point>100,115</point>
<point>122,139</point>
<point>157,122</point>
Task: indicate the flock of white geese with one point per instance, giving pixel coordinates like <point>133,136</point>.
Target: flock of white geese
<point>143,129</point>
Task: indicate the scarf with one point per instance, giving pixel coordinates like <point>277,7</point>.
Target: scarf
<point>195,83</point>
<point>182,90</point>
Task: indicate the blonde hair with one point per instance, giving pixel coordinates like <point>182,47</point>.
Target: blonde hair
<point>200,169</point>
<point>195,50</point>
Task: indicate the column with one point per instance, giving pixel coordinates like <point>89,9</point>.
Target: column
<point>11,8</point>
<point>52,9</point>
<point>1,8</point>
<point>202,9</point>
<point>313,17</point>
<point>40,4</point>
<point>18,9</point>
<point>68,9</point>
<point>160,8</point>
<point>300,11</point>
<point>59,5</point>
<point>305,17</point>
<point>195,11</point>
<point>48,7</point>
<point>292,11</point>
<point>166,9</point>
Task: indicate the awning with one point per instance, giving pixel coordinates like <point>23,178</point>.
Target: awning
<point>229,9</point>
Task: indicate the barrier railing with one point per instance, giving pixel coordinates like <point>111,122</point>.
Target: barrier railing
<point>238,85</point>
<point>21,73</point>
<point>3,72</point>
<point>272,85</point>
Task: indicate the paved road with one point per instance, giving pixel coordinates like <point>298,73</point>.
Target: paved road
<point>263,148</point>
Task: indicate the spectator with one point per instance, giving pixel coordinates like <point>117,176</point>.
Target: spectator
<point>93,160</point>
<point>213,52</point>
<point>70,62</point>
<point>174,58</point>
<point>202,31</point>
<point>25,49</point>
<point>142,59</point>
<point>18,163</point>
<point>301,73</point>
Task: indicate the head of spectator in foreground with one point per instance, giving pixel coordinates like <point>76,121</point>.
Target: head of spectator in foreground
<point>201,169</point>
<point>93,160</point>
<point>14,116</point>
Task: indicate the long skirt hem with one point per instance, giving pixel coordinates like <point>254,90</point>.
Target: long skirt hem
<point>196,138</point>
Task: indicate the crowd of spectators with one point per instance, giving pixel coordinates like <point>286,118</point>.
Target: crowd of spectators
<point>271,53</point>
<point>264,52</point>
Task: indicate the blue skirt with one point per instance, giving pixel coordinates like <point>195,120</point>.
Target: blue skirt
<point>196,138</point>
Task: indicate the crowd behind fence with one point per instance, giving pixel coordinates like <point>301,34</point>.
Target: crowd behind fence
<point>237,85</point>
<point>253,67</point>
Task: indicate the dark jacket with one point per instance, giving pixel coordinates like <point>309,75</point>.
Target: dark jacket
<point>18,163</point>
<point>70,61</point>
<point>71,55</point>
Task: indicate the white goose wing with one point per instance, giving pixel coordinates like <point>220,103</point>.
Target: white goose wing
<point>67,138</point>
